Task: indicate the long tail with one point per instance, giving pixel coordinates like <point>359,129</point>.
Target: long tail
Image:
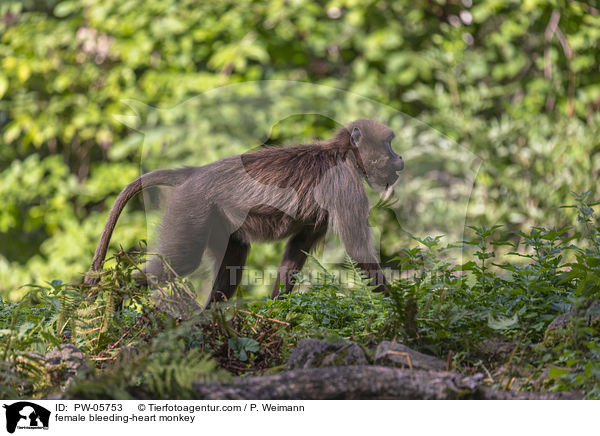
<point>173,177</point>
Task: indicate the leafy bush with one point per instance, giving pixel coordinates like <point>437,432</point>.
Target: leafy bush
<point>495,105</point>
<point>515,83</point>
<point>510,298</point>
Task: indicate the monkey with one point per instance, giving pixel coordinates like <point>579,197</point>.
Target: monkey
<point>297,192</point>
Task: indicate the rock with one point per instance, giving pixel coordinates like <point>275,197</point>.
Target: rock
<point>589,315</point>
<point>65,362</point>
<point>560,322</point>
<point>315,353</point>
<point>495,347</point>
<point>590,312</point>
<point>69,354</point>
<point>398,355</point>
<point>363,383</point>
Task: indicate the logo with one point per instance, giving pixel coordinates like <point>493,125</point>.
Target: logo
<point>26,415</point>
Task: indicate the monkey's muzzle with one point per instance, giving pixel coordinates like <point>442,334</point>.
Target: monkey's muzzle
<point>398,164</point>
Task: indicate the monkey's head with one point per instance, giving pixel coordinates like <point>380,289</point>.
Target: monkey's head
<point>374,143</point>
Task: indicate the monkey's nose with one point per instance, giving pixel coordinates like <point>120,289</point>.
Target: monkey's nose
<point>398,164</point>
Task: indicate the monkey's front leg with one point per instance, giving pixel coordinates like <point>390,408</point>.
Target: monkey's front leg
<point>374,272</point>
<point>358,247</point>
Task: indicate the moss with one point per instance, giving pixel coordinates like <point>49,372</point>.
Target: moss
<point>553,336</point>
<point>318,359</point>
<point>339,359</point>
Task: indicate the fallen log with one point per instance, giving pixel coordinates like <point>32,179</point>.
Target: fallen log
<point>364,382</point>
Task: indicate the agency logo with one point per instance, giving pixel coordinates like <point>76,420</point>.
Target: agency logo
<point>26,415</point>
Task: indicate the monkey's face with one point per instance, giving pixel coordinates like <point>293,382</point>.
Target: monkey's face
<point>380,161</point>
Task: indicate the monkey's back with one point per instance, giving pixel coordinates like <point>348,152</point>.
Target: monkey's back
<point>272,192</point>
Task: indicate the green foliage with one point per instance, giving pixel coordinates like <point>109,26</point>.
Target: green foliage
<point>329,308</point>
<point>509,296</point>
<point>63,313</point>
<point>242,346</point>
<point>505,101</point>
<point>23,335</point>
<point>434,306</point>
<point>515,83</point>
<point>164,368</point>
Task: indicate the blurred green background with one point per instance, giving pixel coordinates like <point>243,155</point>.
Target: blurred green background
<point>514,83</point>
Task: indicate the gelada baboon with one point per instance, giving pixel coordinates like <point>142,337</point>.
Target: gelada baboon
<point>298,192</point>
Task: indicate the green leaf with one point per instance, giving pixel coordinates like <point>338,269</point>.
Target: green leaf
<point>3,85</point>
<point>502,323</point>
<point>556,372</point>
<point>5,332</point>
<point>66,8</point>
<point>240,346</point>
<point>468,266</point>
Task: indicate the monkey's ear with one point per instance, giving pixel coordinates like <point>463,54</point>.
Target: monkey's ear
<point>355,136</point>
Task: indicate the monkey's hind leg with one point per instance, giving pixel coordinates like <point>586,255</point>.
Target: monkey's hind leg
<point>229,274</point>
<point>182,242</point>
